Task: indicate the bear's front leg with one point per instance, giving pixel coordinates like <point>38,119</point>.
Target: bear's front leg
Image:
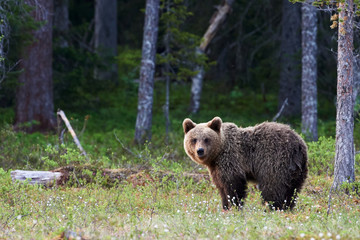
<point>224,198</point>
<point>236,192</point>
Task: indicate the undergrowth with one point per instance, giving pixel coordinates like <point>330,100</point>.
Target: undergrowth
<point>169,209</point>
<point>166,207</point>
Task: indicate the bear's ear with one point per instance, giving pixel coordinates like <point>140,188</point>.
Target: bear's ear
<point>188,125</point>
<point>215,124</point>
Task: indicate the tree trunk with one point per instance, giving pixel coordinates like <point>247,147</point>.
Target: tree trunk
<point>344,151</point>
<point>309,72</point>
<point>197,81</point>
<point>61,22</point>
<point>106,38</point>
<point>167,84</point>
<point>147,70</point>
<point>4,34</point>
<point>196,87</point>
<point>290,84</point>
<point>34,96</point>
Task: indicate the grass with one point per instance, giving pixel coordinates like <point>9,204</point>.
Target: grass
<point>166,209</point>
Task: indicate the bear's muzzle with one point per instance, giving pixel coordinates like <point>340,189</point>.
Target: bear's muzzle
<point>200,152</point>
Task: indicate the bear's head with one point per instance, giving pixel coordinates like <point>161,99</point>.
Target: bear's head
<point>203,141</point>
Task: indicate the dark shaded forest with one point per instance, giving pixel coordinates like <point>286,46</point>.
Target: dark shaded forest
<point>251,69</point>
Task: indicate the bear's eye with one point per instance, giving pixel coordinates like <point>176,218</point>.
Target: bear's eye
<point>193,141</point>
<point>206,140</point>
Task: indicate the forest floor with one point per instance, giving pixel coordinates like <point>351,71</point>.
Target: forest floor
<point>152,205</point>
<point>169,208</point>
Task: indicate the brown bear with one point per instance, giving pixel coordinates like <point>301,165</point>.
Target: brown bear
<point>269,154</point>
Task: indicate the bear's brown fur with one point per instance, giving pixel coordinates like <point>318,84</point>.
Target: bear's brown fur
<point>270,154</point>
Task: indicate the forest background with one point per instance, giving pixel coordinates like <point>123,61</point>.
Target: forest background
<point>98,90</point>
<point>241,83</point>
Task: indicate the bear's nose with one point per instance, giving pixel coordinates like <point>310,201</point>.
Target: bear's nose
<point>200,152</point>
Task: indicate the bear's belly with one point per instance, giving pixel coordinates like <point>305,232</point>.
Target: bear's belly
<point>250,178</point>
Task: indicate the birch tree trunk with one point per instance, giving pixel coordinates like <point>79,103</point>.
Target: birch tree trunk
<point>290,83</point>
<point>106,38</point>
<point>196,87</point>
<point>197,81</point>
<point>309,72</point>
<point>344,151</point>
<point>147,71</point>
<point>34,96</point>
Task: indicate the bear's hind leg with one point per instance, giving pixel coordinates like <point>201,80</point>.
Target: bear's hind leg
<point>282,200</point>
<point>291,198</point>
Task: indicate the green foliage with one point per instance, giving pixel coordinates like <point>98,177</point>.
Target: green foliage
<point>74,68</point>
<point>180,55</point>
<point>58,156</point>
<point>22,23</point>
<point>129,64</point>
<point>9,145</point>
<point>351,188</point>
<point>20,149</point>
<point>19,24</point>
<point>321,156</point>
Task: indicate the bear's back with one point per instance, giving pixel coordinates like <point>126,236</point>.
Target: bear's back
<point>268,146</point>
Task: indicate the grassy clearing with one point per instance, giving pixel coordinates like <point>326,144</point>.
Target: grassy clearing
<point>161,209</point>
<point>175,208</point>
<point>170,209</point>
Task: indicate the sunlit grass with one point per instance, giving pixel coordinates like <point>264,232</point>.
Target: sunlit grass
<point>168,210</point>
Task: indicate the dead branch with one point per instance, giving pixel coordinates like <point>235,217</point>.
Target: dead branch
<point>125,148</point>
<point>285,103</point>
<point>215,23</point>
<point>84,126</point>
<point>72,132</point>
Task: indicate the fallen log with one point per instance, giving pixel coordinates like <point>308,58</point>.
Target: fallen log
<point>86,174</point>
<point>36,177</point>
